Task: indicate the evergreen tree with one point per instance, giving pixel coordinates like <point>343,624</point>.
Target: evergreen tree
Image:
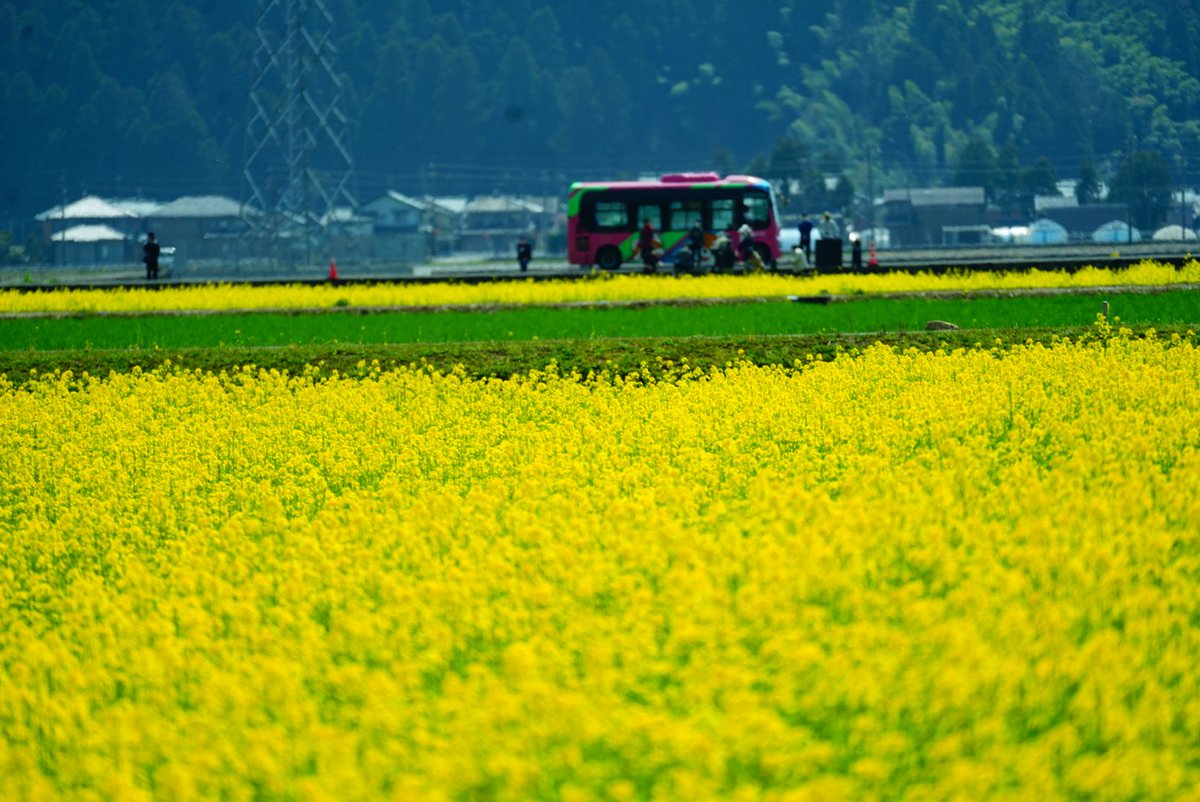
<point>516,116</point>
<point>1087,184</point>
<point>137,89</point>
<point>1144,182</point>
<point>977,167</point>
<point>788,165</point>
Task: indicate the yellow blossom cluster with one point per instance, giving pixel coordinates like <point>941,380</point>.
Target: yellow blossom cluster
<point>888,576</point>
<point>607,289</point>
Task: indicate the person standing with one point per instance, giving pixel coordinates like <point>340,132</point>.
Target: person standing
<point>696,243</point>
<point>746,244</point>
<point>524,253</point>
<point>150,252</point>
<point>647,243</point>
<point>724,258</point>
<point>829,246</point>
<point>829,227</point>
<point>806,227</point>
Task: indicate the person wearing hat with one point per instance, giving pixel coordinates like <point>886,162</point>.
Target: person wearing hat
<point>829,228</point>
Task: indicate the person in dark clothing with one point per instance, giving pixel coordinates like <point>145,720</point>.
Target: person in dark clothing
<point>724,257</point>
<point>150,252</point>
<point>647,244</point>
<point>524,253</point>
<point>806,228</point>
<point>745,242</point>
<point>696,243</point>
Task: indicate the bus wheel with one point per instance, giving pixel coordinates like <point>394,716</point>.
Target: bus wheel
<point>608,258</point>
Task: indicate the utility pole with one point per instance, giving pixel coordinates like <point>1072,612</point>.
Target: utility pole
<point>298,167</point>
<point>871,190</point>
<point>1133,189</point>
<point>1183,221</point>
<point>63,216</point>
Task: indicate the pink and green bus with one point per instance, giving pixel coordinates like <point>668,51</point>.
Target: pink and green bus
<point>603,218</point>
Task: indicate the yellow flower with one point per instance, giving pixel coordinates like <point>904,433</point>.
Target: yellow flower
<point>965,573</point>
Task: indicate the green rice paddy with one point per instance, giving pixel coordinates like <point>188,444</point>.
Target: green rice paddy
<point>865,316</point>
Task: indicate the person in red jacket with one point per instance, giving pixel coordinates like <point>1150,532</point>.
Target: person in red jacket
<point>647,246</point>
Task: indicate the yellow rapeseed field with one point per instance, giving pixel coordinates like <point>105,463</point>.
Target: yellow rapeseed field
<point>619,288</point>
<point>890,576</point>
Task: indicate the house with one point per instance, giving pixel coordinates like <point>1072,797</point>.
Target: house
<point>90,210</point>
<point>92,245</point>
<point>348,234</point>
<point>935,216</point>
<point>201,228</point>
<point>394,211</point>
<point>444,216</point>
<point>400,229</point>
<point>493,224</point>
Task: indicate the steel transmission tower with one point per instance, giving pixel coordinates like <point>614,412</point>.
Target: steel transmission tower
<point>298,166</point>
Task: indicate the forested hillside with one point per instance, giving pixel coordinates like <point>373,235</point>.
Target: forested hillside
<point>128,97</point>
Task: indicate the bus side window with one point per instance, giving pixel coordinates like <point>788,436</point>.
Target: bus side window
<point>611,214</point>
<point>651,212</point>
<point>685,213</point>
<point>757,211</point>
<point>723,214</point>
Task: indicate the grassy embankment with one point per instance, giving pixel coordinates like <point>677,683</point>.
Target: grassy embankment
<point>503,341</point>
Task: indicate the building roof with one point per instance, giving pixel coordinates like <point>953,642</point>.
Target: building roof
<point>89,233</point>
<point>448,204</point>
<point>502,203</point>
<point>1044,230</point>
<point>1088,217</point>
<point>396,197</point>
<point>341,215</point>
<point>936,196</point>
<point>138,207</point>
<point>1174,233</point>
<point>1116,231</point>
<point>1041,202</point>
<point>200,206</point>
<point>89,207</point>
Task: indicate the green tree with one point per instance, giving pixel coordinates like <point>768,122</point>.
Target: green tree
<point>1144,182</point>
<point>579,114</point>
<point>516,114</point>
<point>388,119</point>
<point>1006,191</point>
<point>977,167</point>
<point>1087,183</point>
<point>1040,178</point>
<point>176,130</point>
<point>722,162</point>
<point>789,163</point>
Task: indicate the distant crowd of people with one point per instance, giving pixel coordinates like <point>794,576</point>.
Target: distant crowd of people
<point>725,255</point>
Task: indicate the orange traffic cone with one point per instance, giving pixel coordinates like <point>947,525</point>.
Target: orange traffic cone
<point>333,274</point>
<point>871,260</point>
